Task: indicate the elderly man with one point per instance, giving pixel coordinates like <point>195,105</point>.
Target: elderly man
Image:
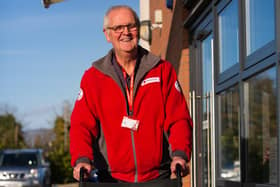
<point>130,120</point>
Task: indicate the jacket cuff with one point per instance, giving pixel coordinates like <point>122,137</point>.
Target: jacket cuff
<point>181,154</point>
<point>83,160</point>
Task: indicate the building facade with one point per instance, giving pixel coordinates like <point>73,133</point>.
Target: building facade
<point>226,54</point>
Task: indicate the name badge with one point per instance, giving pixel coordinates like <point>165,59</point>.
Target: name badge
<point>130,123</point>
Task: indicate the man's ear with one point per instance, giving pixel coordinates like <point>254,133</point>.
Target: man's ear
<point>106,33</point>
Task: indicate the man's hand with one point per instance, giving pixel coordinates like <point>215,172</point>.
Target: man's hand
<point>76,170</point>
<point>178,160</point>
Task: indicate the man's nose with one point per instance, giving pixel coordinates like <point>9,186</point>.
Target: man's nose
<point>126,29</point>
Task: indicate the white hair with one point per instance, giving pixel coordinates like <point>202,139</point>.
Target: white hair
<point>117,7</point>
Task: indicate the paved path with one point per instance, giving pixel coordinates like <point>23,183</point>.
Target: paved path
<point>66,185</point>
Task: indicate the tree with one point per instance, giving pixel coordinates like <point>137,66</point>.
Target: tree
<point>59,155</point>
<point>11,132</point>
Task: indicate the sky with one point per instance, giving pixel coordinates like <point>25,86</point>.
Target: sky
<point>44,53</point>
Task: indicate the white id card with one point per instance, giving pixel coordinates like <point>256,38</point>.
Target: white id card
<point>130,123</point>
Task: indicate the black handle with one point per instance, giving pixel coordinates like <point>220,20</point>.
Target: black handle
<point>82,174</point>
<point>178,174</point>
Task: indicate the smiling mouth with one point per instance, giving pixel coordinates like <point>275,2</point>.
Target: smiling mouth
<point>127,39</point>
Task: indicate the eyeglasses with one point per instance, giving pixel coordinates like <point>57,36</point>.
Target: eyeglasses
<point>120,28</point>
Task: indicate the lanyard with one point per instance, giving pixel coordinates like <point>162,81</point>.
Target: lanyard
<point>129,92</point>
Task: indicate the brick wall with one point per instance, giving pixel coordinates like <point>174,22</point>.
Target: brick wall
<point>171,43</point>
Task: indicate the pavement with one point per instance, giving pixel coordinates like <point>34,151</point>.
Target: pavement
<point>66,185</point>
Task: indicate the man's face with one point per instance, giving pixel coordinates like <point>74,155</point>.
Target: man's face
<point>122,32</point>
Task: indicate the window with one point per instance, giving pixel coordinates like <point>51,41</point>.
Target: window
<point>19,159</point>
<point>261,128</point>
<point>228,36</point>
<point>244,135</point>
<point>260,24</point>
<point>229,161</point>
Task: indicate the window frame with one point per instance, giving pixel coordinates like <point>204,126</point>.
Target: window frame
<point>261,53</point>
<point>232,71</point>
<point>248,66</point>
<point>260,60</point>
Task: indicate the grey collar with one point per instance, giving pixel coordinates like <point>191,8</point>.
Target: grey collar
<point>146,63</point>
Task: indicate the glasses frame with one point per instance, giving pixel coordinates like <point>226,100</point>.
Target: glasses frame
<point>120,28</point>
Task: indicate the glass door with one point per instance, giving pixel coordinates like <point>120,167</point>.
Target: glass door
<point>202,107</point>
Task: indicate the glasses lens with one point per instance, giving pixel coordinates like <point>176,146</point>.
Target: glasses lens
<point>120,28</point>
<point>132,27</point>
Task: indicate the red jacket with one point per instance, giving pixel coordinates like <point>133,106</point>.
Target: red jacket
<point>159,105</point>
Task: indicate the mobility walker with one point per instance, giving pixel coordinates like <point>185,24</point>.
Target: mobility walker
<point>159,183</point>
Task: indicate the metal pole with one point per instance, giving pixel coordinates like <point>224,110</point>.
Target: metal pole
<point>194,140</point>
<point>212,119</point>
<point>66,116</point>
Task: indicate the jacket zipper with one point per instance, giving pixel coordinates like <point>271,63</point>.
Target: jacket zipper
<point>130,113</point>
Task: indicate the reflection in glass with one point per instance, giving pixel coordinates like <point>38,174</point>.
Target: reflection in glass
<point>207,73</point>
<point>259,24</point>
<point>261,128</point>
<point>206,99</point>
<point>206,166</point>
<point>229,162</point>
<point>228,36</point>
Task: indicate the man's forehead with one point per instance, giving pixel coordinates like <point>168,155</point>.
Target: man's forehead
<point>121,15</point>
<point>121,12</point>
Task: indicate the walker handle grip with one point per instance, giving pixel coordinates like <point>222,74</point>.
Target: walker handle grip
<point>178,174</point>
<point>82,174</point>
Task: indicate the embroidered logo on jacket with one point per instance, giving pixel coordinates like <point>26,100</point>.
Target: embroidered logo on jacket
<point>81,93</point>
<point>178,87</point>
<point>150,80</point>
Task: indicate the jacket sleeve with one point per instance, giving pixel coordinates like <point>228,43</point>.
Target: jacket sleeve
<point>178,123</point>
<point>83,127</point>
